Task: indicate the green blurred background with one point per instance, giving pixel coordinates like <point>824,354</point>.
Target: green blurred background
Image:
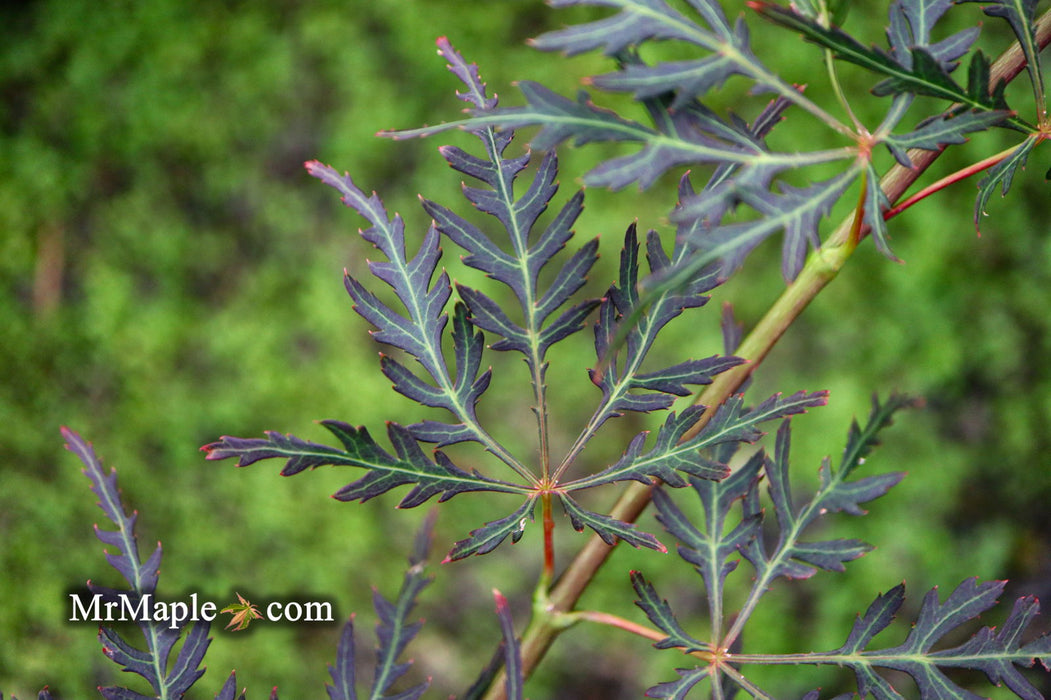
<point>171,274</point>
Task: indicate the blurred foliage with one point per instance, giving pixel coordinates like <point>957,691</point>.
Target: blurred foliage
<point>169,274</point>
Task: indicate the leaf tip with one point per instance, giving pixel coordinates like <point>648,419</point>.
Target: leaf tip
<point>501,600</point>
<point>210,450</point>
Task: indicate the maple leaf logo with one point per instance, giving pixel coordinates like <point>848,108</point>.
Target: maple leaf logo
<point>243,613</point>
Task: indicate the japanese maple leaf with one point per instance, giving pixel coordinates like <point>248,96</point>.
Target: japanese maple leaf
<point>243,614</point>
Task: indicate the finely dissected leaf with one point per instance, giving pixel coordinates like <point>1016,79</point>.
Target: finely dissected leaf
<point>699,216</point>
<point>672,453</point>
<point>685,79</point>
<point>408,466</point>
<point>834,495</point>
<point>1021,15</point>
<point>468,75</point>
<point>624,386</point>
<point>796,211</point>
<point>168,679</point>
<point>419,332</point>
<point>394,631</point>
<point>709,543</point>
<point>469,386</point>
<point>912,67</point>
<point>582,122</point>
<point>160,640</point>
<point>517,262</point>
<point>608,528</point>
<point>142,577</point>
<point>980,87</point>
<point>131,659</point>
<point>678,690</point>
<point>695,135</point>
<point>673,380</point>
<point>685,132</point>
<point>997,653</point>
<point>664,460</point>
<point>643,21</point>
<point>733,422</point>
<point>922,16</point>
<point>185,670</point>
<point>911,24</point>
<point>1001,175</point>
<point>640,21</point>
<point>1002,670</point>
<point>710,550</point>
<point>991,96</point>
<point>753,133</point>
<point>944,129</point>
<point>343,673</point>
<point>876,204</point>
<point>561,119</point>
<point>660,614</point>
<point>519,269</point>
<point>512,653</point>
<point>791,557</point>
<point>485,539</point>
<point>862,440</point>
<point>876,619</point>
